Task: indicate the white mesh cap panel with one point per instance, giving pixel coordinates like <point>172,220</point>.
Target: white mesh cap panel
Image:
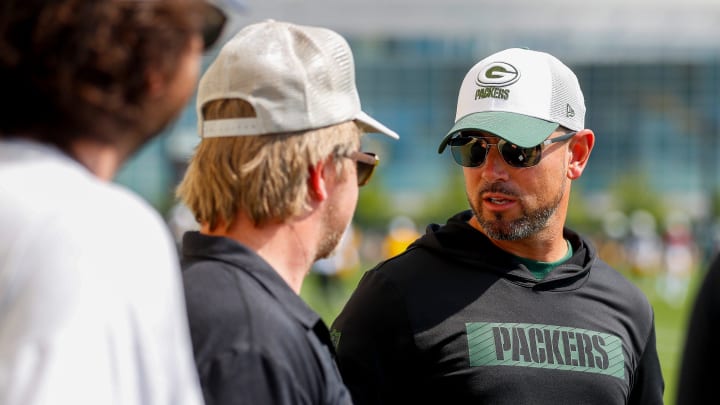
<point>296,77</point>
<point>568,104</point>
<point>326,86</point>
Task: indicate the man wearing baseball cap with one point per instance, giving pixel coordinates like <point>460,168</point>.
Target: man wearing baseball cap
<point>503,304</point>
<point>273,183</point>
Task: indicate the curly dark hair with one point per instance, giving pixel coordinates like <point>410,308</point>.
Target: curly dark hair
<point>77,68</point>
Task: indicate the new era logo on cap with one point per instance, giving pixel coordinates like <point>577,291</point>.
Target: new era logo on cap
<point>519,95</point>
<point>569,111</point>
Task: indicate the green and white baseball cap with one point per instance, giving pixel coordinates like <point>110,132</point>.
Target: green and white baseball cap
<point>519,95</point>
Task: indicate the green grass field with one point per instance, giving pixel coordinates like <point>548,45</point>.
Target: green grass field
<point>670,318</point>
<point>671,326</point>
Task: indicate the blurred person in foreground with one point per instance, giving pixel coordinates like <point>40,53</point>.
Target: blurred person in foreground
<point>503,304</point>
<point>274,184</point>
<point>699,371</point>
<point>91,302</point>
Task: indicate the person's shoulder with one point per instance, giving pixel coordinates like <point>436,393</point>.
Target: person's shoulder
<point>216,304</point>
<point>713,270</point>
<point>618,286</point>
<point>417,266</point>
<point>121,205</point>
<point>66,253</point>
<point>217,289</point>
<point>223,295</point>
<point>58,190</point>
<point>384,288</point>
<point>117,219</point>
<point>412,259</point>
<point>109,230</point>
<point>233,317</point>
<point>604,272</point>
<point>70,213</point>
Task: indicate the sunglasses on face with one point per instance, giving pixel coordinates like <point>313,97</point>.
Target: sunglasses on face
<point>366,163</point>
<point>214,20</point>
<point>471,149</point>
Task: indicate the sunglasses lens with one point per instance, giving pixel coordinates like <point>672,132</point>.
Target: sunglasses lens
<point>520,157</point>
<point>365,170</point>
<point>471,151</point>
<point>468,152</point>
<point>213,23</point>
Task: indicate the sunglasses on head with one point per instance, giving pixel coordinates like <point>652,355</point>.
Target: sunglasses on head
<point>366,163</point>
<point>470,149</point>
<point>214,20</point>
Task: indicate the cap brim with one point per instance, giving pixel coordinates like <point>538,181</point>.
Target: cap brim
<point>522,130</point>
<point>370,124</point>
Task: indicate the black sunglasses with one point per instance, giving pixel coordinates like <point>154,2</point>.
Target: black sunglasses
<point>366,163</point>
<point>470,149</point>
<point>214,20</point>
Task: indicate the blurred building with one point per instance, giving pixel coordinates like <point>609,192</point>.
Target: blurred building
<point>650,70</point>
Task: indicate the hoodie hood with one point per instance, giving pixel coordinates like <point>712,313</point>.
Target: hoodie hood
<point>460,242</point>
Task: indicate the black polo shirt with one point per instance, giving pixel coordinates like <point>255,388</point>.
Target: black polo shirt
<point>255,340</point>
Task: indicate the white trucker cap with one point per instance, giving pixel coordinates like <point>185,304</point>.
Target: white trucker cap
<point>296,77</point>
<point>519,95</point>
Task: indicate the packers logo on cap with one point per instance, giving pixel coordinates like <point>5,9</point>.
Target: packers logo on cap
<point>497,74</point>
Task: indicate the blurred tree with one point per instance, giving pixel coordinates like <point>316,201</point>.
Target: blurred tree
<point>634,192</point>
<point>374,208</point>
<point>446,202</point>
<point>580,216</point>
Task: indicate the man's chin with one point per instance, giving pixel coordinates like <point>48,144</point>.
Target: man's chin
<point>499,227</point>
<point>499,232</point>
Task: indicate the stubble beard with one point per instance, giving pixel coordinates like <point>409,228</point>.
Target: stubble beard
<point>529,223</point>
<point>334,230</point>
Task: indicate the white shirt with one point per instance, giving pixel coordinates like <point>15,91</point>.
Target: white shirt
<point>91,304</point>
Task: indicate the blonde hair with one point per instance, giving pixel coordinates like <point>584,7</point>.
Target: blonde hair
<point>264,176</point>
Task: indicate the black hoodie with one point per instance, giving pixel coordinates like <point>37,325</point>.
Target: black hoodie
<point>456,320</point>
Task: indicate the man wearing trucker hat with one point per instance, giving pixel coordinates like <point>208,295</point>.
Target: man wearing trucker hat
<point>273,183</point>
<point>503,304</point>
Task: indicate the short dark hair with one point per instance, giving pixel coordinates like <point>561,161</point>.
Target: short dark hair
<point>77,68</point>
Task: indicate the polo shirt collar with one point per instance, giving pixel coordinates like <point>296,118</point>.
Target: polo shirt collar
<point>197,246</point>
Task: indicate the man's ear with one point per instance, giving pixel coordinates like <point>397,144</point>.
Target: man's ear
<point>580,147</point>
<point>317,185</point>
